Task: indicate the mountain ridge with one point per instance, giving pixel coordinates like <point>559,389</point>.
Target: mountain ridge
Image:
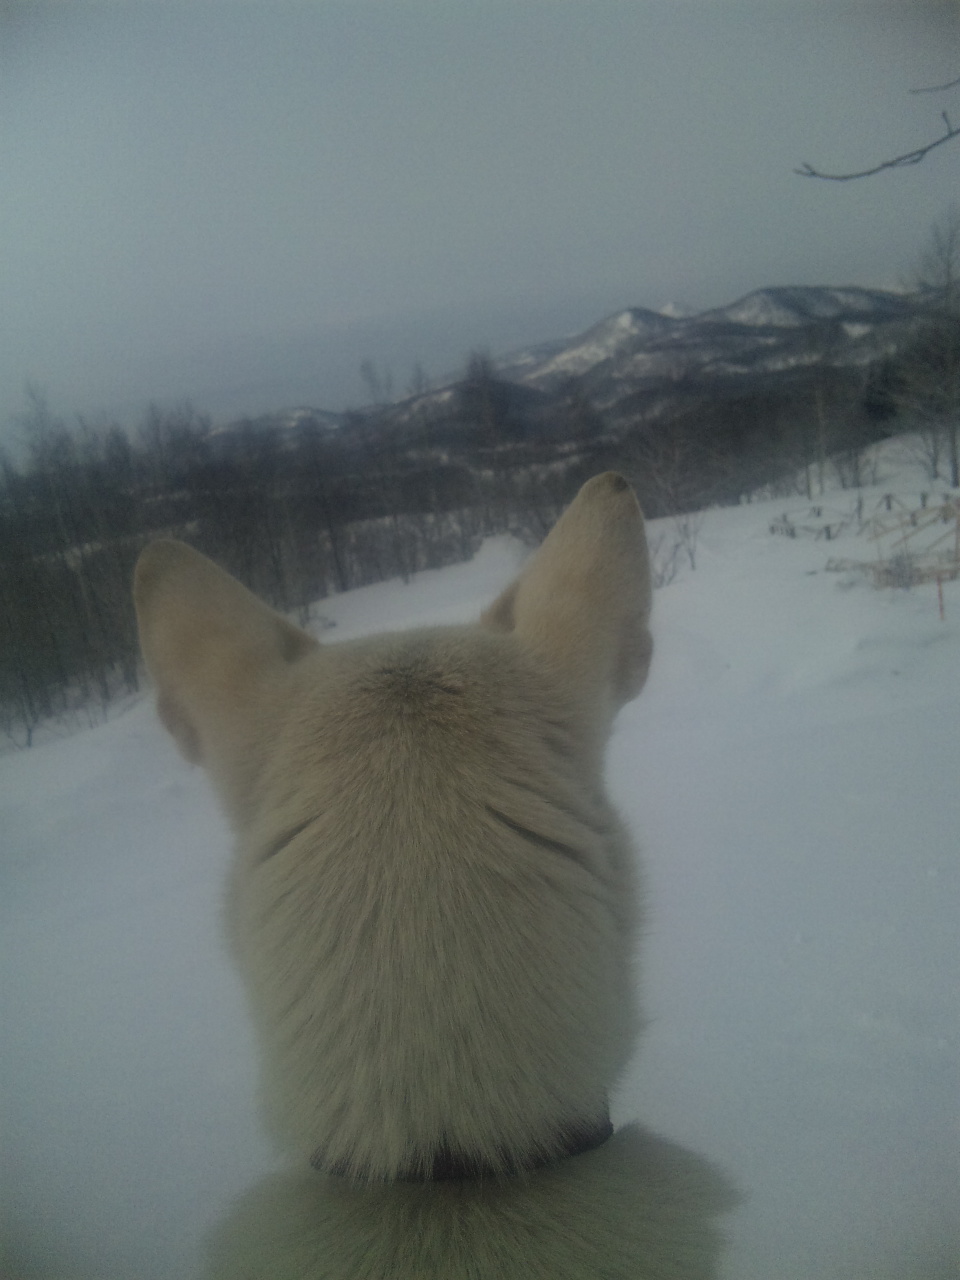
<point>773,332</point>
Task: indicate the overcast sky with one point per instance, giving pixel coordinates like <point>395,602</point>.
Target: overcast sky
<point>237,203</point>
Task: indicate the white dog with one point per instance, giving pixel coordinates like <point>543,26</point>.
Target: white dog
<point>433,908</point>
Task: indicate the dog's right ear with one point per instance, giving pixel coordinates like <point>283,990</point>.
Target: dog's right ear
<point>209,645</point>
<point>582,604</point>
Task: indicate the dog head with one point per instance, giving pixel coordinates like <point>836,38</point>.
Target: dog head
<point>228,669</point>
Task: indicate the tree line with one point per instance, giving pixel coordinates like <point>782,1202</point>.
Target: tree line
<point>296,515</point>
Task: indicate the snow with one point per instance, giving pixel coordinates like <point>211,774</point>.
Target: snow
<point>604,341</point>
<point>675,311</point>
<point>791,306</point>
<point>759,309</point>
<point>791,773</point>
<point>855,331</point>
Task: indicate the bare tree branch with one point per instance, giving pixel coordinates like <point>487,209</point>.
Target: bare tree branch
<point>898,162</point>
<point>938,88</point>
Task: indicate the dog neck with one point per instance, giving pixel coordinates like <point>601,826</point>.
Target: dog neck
<point>457,1166</point>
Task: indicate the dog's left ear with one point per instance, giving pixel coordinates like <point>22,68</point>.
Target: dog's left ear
<point>582,604</point>
<point>210,645</point>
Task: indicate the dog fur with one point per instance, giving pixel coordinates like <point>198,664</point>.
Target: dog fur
<point>433,907</point>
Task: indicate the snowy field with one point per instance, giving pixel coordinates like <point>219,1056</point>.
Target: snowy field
<point>792,775</point>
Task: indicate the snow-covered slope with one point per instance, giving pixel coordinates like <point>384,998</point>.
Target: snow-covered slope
<point>604,341</point>
<point>790,306</point>
<point>791,772</point>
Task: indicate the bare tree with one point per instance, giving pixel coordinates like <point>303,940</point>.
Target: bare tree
<point>905,159</point>
<point>928,373</point>
<point>672,473</point>
<point>419,382</point>
<point>483,399</point>
<point>379,384</point>
<point>823,341</point>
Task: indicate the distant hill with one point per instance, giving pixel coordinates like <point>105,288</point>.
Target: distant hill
<point>641,365</point>
<point>776,331</point>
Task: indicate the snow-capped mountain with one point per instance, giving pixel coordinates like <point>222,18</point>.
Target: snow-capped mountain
<point>767,332</point>
<point>616,335</point>
<point>791,306</point>
<point>640,365</point>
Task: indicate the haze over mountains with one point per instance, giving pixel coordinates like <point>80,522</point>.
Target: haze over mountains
<point>637,362</point>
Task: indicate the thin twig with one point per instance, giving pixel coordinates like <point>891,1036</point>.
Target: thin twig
<point>898,162</point>
<point>938,88</point>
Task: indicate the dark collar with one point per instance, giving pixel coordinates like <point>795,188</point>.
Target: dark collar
<point>459,1166</point>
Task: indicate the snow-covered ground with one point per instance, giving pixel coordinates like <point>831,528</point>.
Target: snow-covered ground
<point>792,773</point>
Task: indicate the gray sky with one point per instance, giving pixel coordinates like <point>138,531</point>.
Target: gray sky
<point>237,203</point>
